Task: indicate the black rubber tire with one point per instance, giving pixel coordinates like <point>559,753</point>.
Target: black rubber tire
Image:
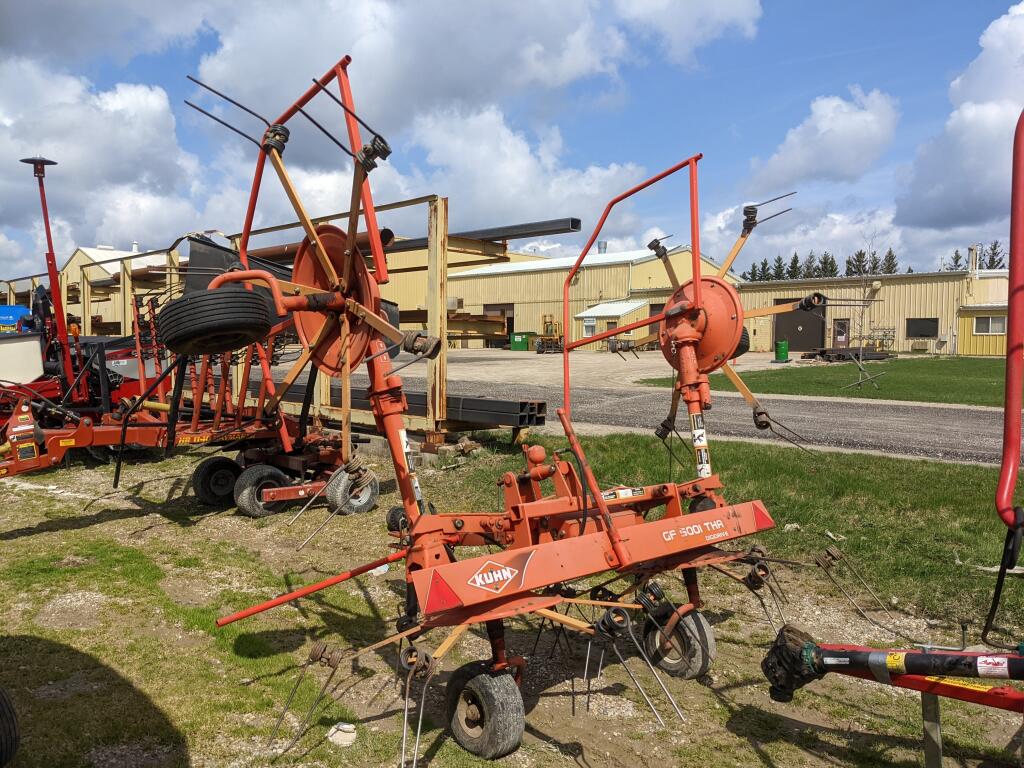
<point>251,483</point>
<point>396,521</point>
<point>10,730</point>
<point>213,481</point>
<point>692,650</point>
<point>210,322</point>
<point>474,690</point>
<point>341,498</point>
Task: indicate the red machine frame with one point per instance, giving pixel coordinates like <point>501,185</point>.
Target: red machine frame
<point>548,539</point>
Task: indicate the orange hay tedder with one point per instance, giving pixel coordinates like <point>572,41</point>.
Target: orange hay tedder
<point>559,527</point>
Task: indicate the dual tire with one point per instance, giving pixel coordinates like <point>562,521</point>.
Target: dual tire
<point>218,481</point>
<point>485,711</point>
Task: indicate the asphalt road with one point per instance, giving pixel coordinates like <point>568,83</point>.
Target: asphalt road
<point>971,435</point>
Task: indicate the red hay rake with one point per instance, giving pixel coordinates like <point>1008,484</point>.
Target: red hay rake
<point>558,527</point>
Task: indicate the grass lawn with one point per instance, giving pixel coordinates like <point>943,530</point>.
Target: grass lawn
<point>966,380</point>
<point>110,653</point>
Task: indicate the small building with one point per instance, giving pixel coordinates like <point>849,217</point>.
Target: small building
<point>981,329</point>
<point>611,314</point>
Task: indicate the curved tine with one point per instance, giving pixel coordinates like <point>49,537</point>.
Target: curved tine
<point>657,677</point>
<point>312,498</point>
<point>326,133</point>
<point>586,669</point>
<point>223,122</point>
<point>405,715</point>
<point>779,197</point>
<point>636,682</point>
<point>305,721</point>
<point>287,705</point>
<point>318,529</point>
<point>341,104</point>
<point>434,664</point>
<point>229,100</point>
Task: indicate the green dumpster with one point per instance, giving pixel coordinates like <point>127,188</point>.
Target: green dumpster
<point>782,351</point>
<point>520,342</point>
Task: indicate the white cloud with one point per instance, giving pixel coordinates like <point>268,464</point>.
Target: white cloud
<point>117,155</point>
<point>804,229</point>
<point>962,177</point>
<point>124,176</point>
<point>682,26</point>
<point>13,257</point>
<point>494,175</point>
<point>838,141</point>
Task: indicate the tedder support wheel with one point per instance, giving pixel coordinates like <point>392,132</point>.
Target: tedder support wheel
<point>10,733</point>
<point>690,650</point>
<point>249,488</point>
<point>210,322</point>
<point>341,497</point>
<point>213,480</point>
<point>485,710</point>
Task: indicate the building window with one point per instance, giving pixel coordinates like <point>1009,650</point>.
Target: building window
<point>589,326</point>
<point>990,326</point>
<point>922,327</point>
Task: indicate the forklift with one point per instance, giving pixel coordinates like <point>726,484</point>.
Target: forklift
<point>550,338</point>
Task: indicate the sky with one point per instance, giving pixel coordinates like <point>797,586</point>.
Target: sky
<point>892,121</point>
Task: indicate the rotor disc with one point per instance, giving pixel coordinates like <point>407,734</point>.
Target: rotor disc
<point>719,324</point>
<point>361,287</point>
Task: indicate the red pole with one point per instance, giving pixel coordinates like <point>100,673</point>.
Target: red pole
<point>691,161</point>
<point>1014,338</point>
<point>39,169</point>
<point>380,264</point>
<point>399,555</point>
<point>695,238</point>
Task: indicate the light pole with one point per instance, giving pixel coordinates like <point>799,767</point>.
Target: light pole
<point>63,347</point>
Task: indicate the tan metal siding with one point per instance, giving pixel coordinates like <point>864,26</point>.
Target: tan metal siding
<point>899,298</point>
<point>980,344</point>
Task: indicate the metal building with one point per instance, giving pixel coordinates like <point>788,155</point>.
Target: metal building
<point>953,313</point>
<point>628,285</point>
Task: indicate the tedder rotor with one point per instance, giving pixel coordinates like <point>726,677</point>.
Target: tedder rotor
<point>559,532</point>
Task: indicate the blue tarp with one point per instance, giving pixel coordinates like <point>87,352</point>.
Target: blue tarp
<point>9,317</point>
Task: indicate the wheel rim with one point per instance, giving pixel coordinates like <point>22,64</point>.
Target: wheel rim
<point>267,505</point>
<point>470,713</point>
<point>362,496</point>
<point>673,649</point>
<point>222,482</point>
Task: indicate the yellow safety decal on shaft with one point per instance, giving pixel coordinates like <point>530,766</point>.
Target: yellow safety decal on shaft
<point>67,441</point>
<point>896,662</point>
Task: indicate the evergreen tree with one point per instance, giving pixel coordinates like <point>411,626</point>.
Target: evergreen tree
<point>858,264</point>
<point>848,268</point>
<point>874,263</point>
<point>779,268</point>
<point>745,276</point>
<point>993,256</point>
<point>910,270</point>
<point>890,265</point>
<point>810,266</point>
<point>828,267</point>
<point>766,270</point>
<point>958,261</point>
<point>793,271</point>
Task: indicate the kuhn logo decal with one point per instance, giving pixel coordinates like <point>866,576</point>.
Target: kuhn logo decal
<point>493,577</point>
